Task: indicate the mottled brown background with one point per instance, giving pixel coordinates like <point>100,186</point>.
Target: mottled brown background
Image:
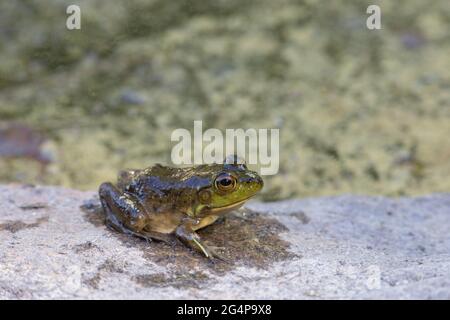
<point>359,111</point>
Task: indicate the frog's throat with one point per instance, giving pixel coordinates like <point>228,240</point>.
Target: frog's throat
<point>228,208</point>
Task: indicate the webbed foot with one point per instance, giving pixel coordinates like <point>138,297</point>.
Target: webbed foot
<point>191,239</point>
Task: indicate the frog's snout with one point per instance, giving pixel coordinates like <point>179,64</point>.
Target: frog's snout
<point>259,182</point>
<point>254,182</point>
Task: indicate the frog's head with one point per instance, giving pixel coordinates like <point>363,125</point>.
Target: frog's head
<point>231,185</point>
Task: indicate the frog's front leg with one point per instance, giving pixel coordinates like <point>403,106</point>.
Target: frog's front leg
<point>185,232</point>
<point>122,210</point>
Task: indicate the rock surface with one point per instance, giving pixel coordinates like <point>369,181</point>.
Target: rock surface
<point>336,247</point>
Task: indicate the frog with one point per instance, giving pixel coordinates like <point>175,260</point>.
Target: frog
<point>166,203</point>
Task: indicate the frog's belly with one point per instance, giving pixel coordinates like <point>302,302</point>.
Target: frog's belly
<point>163,222</point>
<point>168,222</point>
<point>205,222</point>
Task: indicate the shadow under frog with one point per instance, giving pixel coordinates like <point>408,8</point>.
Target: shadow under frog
<point>252,240</point>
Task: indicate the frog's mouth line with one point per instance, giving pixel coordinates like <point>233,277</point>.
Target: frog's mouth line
<point>229,207</point>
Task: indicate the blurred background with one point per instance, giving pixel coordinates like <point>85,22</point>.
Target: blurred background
<point>360,111</point>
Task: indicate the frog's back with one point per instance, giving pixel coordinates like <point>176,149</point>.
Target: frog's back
<point>161,185</point>
<point>164,177</point>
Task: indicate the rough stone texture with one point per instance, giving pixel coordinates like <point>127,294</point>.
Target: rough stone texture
<point>335,247</point>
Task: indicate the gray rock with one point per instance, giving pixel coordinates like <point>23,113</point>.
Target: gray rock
<point>352,247</point>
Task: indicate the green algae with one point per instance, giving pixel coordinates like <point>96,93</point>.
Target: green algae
<point>358,110</point>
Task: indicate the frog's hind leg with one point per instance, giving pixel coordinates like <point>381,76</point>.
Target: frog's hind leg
<point>125,177</point>
<point>163,237</point>
<point>123,212</point>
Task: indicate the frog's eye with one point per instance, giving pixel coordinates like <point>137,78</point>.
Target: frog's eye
<point>225,182</point>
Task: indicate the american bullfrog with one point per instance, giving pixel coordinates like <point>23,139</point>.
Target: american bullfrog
<point>159,202</point>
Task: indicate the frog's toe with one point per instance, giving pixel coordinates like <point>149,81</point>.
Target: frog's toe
<point>166,238</point>
<point>213,253</point>
<point>240,215</point>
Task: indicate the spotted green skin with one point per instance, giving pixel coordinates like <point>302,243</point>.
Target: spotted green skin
<point>159,202</point>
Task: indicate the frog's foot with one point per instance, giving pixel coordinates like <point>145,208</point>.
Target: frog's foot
<point>214,252</point>
<point>191,239</point>
<point>113,223</point>
<point>239,215</point>
<point>139,235</point>
<point>150,235</point>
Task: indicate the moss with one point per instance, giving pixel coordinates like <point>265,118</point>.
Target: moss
<point>349,102</point>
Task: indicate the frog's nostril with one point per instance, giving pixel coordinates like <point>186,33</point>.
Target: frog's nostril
<point>261,182</point>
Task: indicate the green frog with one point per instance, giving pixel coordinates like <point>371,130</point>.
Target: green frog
<point>159,202</point>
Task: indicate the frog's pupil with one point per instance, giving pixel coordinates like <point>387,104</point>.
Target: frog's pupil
<point>225,182</point>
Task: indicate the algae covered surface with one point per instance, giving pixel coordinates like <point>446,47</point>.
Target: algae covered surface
<point>359,110</point>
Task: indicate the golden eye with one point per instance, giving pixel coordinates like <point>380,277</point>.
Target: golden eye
<point>225,182</point>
